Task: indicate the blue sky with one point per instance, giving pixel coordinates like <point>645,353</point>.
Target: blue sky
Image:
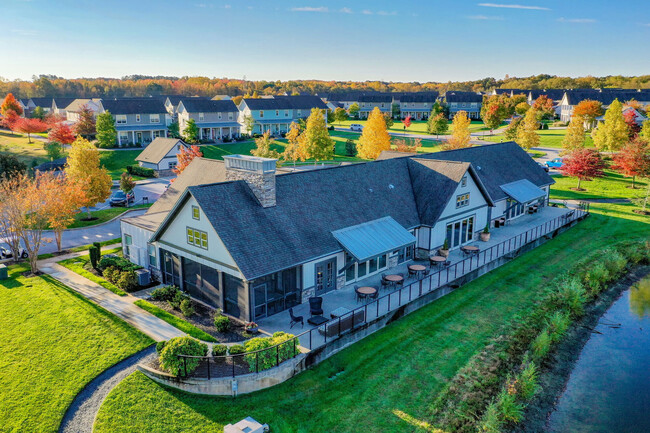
<point>431,40</point>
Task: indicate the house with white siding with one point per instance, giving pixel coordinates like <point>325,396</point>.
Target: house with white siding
<point>161,155</point>
<point>216,119</point>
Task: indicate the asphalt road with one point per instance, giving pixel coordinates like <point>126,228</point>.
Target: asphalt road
<point>147,188</point>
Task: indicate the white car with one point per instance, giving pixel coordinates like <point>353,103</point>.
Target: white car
<point>356,127</point>
<point>5,251</point>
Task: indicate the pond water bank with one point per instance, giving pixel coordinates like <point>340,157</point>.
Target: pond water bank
<point>597,381</point>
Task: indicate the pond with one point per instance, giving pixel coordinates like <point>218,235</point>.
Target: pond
<point>609,387</point>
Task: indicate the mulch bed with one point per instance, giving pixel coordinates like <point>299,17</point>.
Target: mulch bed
<point>641,212</point>
<point>203,318</point>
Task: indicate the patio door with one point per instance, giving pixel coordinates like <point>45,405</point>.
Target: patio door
<point>259,292</point>
<point>138,137</point>
<point>325,276</point>
<point>171,264</point>
<point>460,232</point>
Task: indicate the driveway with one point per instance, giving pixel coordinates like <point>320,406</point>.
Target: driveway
<point>147,188</point>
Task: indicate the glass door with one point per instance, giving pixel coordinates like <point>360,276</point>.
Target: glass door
<point>460,232</point>
<point>325,276</point>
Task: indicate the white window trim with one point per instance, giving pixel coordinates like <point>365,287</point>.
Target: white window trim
<point>137,118</point>
<point>154,118</point>
<point>120,119</point>
<point>201,117</point>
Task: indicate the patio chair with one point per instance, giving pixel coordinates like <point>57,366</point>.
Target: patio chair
<point>316,306</point>
<point>295,319</point>
<point>384,282</point>
<point>359,296</point>
<point>401,283</point>
<point>373,296</point>
<point>412,273</point>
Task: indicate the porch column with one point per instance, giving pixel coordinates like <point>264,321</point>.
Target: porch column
<point>230,132</point>
<point>119,141</point>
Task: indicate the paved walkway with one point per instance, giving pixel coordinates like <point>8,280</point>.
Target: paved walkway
<point>81,414</point>
<point>121,306</point>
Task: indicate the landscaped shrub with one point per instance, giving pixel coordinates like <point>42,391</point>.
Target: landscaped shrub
<point>511,411</point>
<point>222,323</point>
<point>350,148</point>
<point>170,361</point>
<point>165,293</point>
<point>541,345</point>
<point>178,298</point>
<point>160,346</point>
<point>557,325</point>
<point>109,273</point>
<point>140,171</point>
<point>128,281</point>
<point>267,354</point>
<point>94,255</point>
<point>491,422</point>
<point>236,349</point>
<point>527,381</point>
<point>596,278</point>
<point>219,350</point>
<point>187,308</point>
<point>570,294</point>
<point>119,262</point>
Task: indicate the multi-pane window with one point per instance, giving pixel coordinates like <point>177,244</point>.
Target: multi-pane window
<point>462,200</point>
<point>195,212</point>
<point>463,182</point>
<point>152,255</point>
<point>201,117</point>
<point>137,118</point>
<point>197,238</point>
<point>261,113</point>
<point>219,115</point>
<point>128,241</point>
<point>154,118</point>
<point>230,116</point>
<point>120,119</point>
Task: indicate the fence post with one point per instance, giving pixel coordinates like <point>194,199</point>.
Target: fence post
<point>257,364</point>
<point>208,368</point>
<point>420,292</point>
<point>232,359</point>
<point>185,365</point>
<point>377,302</point>
<point>277,355</point>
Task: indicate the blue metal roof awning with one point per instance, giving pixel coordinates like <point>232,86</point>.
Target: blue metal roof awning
<point>373,238</point>
<point>523,191</point>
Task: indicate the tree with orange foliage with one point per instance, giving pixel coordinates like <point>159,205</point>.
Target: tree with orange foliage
<point>633,160</point>
<point>186,156</point>
<point>407,122</point>
<point>588,110</point>
<point>61,133</point>
<point>85,126</point>
<point>30,126</point>
<point>585,164</point>
<point>633,128</point>
<point>10,120</point>
<point>544,106</point>
<point>61,209</point>
<point>10,104</point>
<point>401,145</point>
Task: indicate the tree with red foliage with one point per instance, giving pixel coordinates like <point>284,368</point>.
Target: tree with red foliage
<point>10,120</point>
<point>61,133</point>
<point>10,104</point>
<point>86,124</point>
<point>407,122</point>
<point>492,117</point>
<point>186,156</point>
<point>633,160</point>
<point>585,164</point>
<point>633,128</point>
<point>30,126</point>
<point>52,119</point>
<point>544,106</point>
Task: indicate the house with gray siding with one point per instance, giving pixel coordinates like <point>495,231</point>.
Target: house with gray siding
<point>277,113</point>
<point>216,119</point>
<point>571,98</point>
<point>161,155</point>
<point>469,102</point>
<point>367,103</point>
<point>137,120</point>
<point>258,241</point>
<point>417,105</point>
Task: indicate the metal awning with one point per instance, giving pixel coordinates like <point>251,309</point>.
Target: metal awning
<point>373,238</point>
<point>523,191</point>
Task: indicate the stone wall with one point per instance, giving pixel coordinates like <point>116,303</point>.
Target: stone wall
<point>262,184</point>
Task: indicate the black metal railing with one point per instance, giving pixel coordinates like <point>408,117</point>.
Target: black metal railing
<point>254,362</point>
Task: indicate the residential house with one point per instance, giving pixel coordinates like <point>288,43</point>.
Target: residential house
<point>44,103</point>
<point>216,120</point>
<point>137,120</point>
<point>258,241</point>
<point>276,114</point>
<point>638,117</point>
<point>469,102</point>
<point>508,92</point>
<point>74,107</point>
<point>59,105</point>
<point>571,98</point>
<point>367,103</point>
<point>417,105</point>
<point>171,104</point>
<point>161,155</point>
<point>221,98</point>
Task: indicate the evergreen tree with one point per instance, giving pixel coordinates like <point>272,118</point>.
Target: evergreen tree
<point>611,134</point>
<point>315,141</point>
<point>191,132</point>
<point>173,129</point>
<point>527,136</point>
<point>575,135</point>
<point>106,132</point>
<point>374,138</point>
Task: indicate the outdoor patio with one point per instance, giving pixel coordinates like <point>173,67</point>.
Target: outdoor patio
<point>502,241</point>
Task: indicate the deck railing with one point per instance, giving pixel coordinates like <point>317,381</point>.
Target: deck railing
<point>319,336</point>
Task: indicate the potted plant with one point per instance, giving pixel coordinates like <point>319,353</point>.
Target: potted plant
<point>251,327</point>
<point>444,251</point>
<point>485,234</point>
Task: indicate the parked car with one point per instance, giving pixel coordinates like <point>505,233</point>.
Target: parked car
<point>120,198</point>
<point>5,251</point>
<point>554,163</point>
<point>356,127</point>
<point>544,166</point>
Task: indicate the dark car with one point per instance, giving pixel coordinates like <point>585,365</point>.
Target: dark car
<point>120,198</point>
<point>545,167</point>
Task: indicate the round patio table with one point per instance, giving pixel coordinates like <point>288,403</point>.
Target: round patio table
<point>394,278</point>
<point>367,290</point>
<point>417,268</point>
<point>437,259</point>
<point>471,248</point>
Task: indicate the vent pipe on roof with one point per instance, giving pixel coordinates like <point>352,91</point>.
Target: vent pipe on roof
<point>258,173</point>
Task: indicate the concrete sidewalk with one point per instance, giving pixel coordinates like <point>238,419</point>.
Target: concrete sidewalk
<point>121,306</point>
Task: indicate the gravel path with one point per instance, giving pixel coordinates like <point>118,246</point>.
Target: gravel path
<point>80,416</point>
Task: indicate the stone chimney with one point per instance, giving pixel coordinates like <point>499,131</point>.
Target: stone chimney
<point>259,174</point>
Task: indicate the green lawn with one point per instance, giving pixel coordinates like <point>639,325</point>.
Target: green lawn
<point>76,264</point>
<point>17,145</point>
<point>103,215</point>
<point>116,161</point>
<point>53,342</point>
<point>417,127</point>
<point>547,138</point>
<point>613,185</point>
<point>388,381</point>
<point>176,322</point>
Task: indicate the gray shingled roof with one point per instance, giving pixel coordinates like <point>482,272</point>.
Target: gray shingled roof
<point>419,97</point>
<point>554,94</point>
<point>134,106</point>
<point>454,96</point>
<point>382,97</point>
<point>42,102</point>
<point>157,149</point>
<point>201,105</point>
<point>285,103</point>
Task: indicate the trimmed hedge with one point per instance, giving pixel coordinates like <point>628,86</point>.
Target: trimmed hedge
<point>170,361</point>
<point>266,359</point>
<point>117,262</point>
<point>136,170</point>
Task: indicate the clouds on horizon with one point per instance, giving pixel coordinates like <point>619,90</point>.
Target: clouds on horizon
<point>514,6</point>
